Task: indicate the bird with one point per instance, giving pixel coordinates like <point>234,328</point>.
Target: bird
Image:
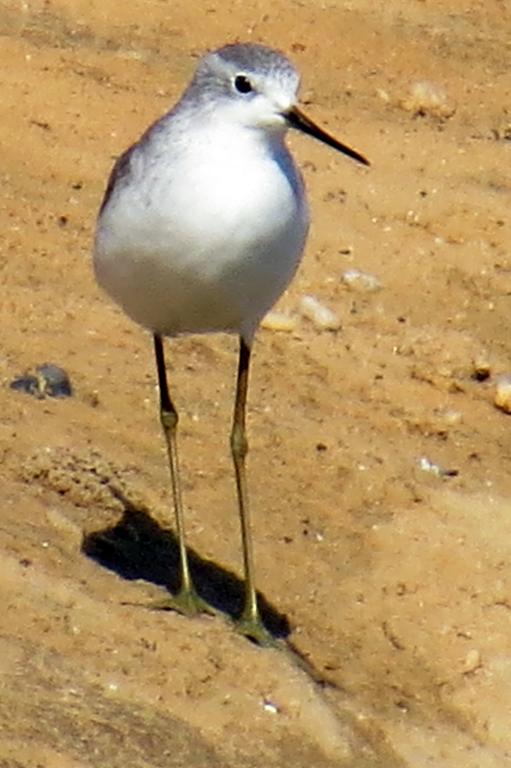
<point>202,226</point>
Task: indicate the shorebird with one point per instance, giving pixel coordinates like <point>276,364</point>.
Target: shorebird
<point>201,229</point>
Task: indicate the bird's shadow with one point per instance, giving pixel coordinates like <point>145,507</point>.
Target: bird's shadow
<point>136,547</point>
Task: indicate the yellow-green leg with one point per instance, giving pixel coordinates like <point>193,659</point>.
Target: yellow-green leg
<point>249,623</point>
<point>187,600</point>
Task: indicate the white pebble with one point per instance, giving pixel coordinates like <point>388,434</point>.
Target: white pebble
<point>360,281</point>
<point>279,321</point>
<point>321,316</point>
<point>502,397</point>
<point>435,469</point>
<point>270,707</point>
<point>427,466</point>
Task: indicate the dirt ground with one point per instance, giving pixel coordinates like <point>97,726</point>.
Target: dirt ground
<point>380,468</point>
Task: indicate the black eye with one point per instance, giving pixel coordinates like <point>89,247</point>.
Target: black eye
<point>242,84</point>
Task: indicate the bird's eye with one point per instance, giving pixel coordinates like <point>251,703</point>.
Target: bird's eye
<point>242,84</point>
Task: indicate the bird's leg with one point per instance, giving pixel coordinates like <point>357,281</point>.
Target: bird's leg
<point>249,623</point>
<point>187,600</point>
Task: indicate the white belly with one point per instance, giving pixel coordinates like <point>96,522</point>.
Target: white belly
<point>207,243</point>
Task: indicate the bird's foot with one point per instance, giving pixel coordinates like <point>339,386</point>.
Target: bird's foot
<point>252,627</point>
<point>187,602</point>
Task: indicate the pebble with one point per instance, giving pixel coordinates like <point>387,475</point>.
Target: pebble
<point>49,380</point>
<point>270,707</point>
<point>502,398</point>
<point>279,321</point>
<point>322,317</point>
<point>363,282</point>
<point>435,469</point>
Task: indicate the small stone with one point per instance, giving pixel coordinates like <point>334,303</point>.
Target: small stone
<point>279,321</point>
<point>56,380</point>
<point>270,707</point>
<point>435,469</point>
<point>363,282</point>
<point>49,381</point>
<point>502,398</point>
<point>428,466</point>
<point>321,316</point>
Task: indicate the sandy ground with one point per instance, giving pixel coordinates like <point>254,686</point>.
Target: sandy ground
<point>380,469</point>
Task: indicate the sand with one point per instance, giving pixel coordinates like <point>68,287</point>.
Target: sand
<point>379,466</point>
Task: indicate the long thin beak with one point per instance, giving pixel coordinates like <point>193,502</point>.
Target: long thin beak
<point>301,122</point>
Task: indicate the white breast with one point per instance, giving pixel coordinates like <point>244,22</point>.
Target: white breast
<point>205,238</point>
